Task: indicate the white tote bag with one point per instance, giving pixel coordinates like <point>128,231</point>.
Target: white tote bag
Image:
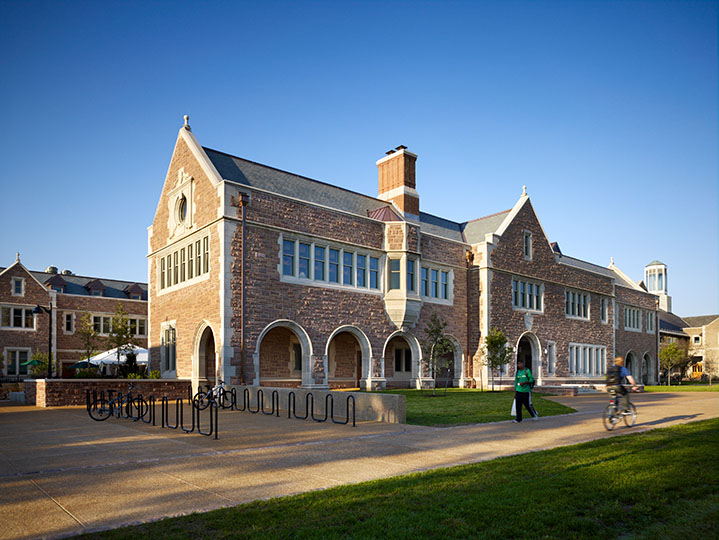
<point>514,408</point>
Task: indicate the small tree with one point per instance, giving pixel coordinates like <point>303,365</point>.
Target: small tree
<point>711,364</point>
<point>496,351</point>
<point>40,369</point>
<point>121,337</point>
<point>435,348</point>
<point>88,335</point>
<point>670,357</point>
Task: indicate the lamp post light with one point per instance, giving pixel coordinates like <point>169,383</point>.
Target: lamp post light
<point>37,310</point>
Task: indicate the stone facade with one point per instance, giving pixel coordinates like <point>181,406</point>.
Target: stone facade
<point>314,286</point>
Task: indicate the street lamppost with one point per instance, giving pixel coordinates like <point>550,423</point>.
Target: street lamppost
<point>37,310</point>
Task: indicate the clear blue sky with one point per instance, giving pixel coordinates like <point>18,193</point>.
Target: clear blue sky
<point>607,111</point>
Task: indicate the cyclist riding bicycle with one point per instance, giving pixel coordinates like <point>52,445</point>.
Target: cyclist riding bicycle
<point>617,377</point>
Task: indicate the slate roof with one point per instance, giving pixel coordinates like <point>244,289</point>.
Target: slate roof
<point>700,320</point>
<point>440,227</point>
<point>76,284</point>
<point>653,263</point>
<point>268,178</point>
<point>475,230</point>
<point>669,322</point>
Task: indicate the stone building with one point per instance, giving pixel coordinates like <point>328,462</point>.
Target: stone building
<point>68,297</point>
<point>263,277</point>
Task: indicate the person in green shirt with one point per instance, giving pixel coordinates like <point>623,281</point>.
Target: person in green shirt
<point>523,382</point>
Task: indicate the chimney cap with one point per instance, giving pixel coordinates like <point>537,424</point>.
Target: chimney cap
<point>390,152</point>
<point>401,147</point>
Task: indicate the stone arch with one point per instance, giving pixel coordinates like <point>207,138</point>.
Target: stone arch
<point>204,354</point>
<point>528,345</point>
<point>411,377</point>
<point>647,372</point>
<point>305,345</point>
<point>365,346</point>
<point>631,362</point>
<point>458,364</point>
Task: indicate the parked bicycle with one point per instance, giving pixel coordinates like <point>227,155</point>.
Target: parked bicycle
<point>614,412</point>
<point>217,395</point>
<point>102,408</point>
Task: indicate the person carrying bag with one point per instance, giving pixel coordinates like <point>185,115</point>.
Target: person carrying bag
<point>523,384</point>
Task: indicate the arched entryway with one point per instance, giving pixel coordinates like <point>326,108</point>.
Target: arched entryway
<point>450,367</point>
<point>529,351</point>
<point>206,356</point>
<point>401,360</point>
<point>632,364</point>
<point>282,356</point>
<point>647,371</point>
<point>349,356</point>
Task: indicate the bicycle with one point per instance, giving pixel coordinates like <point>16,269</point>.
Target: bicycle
<point>102,408</point>
<point>614,413</point>
<point>216,395</point>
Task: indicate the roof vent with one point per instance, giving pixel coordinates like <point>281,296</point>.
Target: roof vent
<point>51,270</point>
<point>67,272</point>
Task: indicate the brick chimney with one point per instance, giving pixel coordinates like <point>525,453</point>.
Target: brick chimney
<point>397,181</point>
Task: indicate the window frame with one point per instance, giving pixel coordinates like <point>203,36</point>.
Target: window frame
<point>14,282</point>
<point>519,295</point>
<point>8,318</point>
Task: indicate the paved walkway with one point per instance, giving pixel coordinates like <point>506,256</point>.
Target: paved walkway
<point>63,474</point>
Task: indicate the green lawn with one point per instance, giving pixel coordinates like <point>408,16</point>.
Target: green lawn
<point>683,388</point>
<point>463,406</point>
<point>659,484</point>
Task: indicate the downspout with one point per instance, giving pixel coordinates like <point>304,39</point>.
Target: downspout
<point>469,257</point>
<point>244,201</point>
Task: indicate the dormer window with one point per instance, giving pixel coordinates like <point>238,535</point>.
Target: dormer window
<point>96,293</point>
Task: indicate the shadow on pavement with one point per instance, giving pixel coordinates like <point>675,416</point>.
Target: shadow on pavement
<point>669,419</point>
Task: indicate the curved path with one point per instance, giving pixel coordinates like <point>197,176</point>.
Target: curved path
<point>63,474</point>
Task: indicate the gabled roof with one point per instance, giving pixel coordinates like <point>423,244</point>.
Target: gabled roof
<point>701,320</point>
<point>56,281</point>
<point>474,231</point>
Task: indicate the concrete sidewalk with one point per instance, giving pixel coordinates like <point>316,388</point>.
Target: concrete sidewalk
<point>62,473</point>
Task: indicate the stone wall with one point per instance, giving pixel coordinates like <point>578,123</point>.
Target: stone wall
<point>64,392</point>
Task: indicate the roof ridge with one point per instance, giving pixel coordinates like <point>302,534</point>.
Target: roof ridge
<point>485,217</point>
<point>88,277</point>
<point>295,174</point>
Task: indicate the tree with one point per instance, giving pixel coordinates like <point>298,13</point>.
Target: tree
<point>435,348</point>
<point>121,336</point>
<point>496,351</point>
<point>671,357</point>
<point>711,364</point>
<point>88,335</point>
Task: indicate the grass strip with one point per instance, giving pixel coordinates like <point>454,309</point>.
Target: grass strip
<point>465,406</point>
<point>684,388</point>
<point>659,484</point>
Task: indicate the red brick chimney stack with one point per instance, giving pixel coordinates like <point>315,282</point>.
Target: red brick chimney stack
<point>397,180</point>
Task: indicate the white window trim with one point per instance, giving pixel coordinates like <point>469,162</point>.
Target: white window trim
<point>6,352</point>
<point>598,365</point>
<point>15,328</point>
<point>325,283</point>
<point>650,318</point>
<point>64,323</point>
<point>450,283</point>
<point>176,248</point>
<point>580,294</point>
<point>171,373</point>
<point>14,280</point>
<point>551,355</point>
<point>526,282</point>
<point>639,319</point>
<point>604,306</point>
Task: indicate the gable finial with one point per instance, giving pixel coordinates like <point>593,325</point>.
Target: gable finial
<point>187,122</point>
<point>611,261</point>
<point>524,191</point>
<point>17,257</point>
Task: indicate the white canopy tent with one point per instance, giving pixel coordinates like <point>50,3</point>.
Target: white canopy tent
<point>110,357</point>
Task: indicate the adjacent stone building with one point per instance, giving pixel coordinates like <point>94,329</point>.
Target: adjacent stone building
<point>263,277</point>
<point>67,297</point>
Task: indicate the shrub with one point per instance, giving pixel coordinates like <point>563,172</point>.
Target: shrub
<point>154,374</point>
<point>134,376</point>
<point>86,374</point>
